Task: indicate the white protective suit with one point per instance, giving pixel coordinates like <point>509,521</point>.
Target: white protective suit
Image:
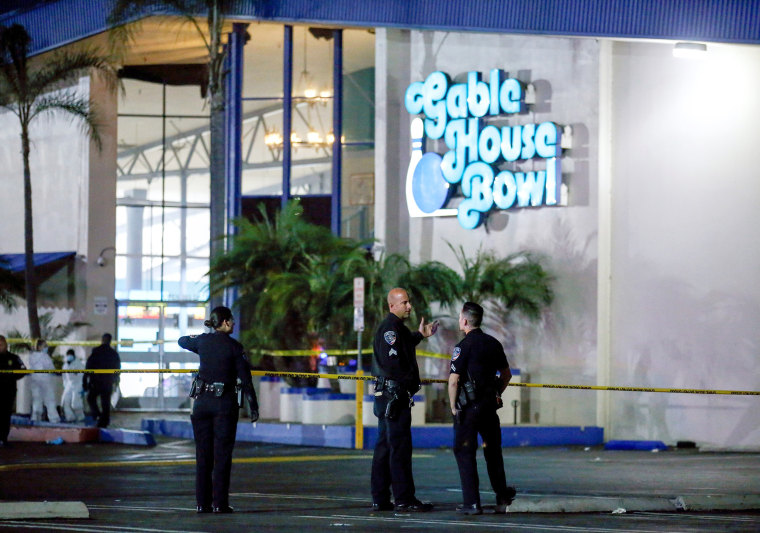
<point>43,387</point>
<point>71,400</point>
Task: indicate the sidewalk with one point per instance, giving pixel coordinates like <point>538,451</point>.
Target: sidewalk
<point>591,479</point>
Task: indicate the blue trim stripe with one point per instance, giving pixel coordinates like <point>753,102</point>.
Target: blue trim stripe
<point>54,24</point>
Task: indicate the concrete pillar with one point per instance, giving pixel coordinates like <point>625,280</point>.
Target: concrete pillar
<point>99,284</point>
<point>135,241</point>
<point>392,142</point>
<point>604,276</point>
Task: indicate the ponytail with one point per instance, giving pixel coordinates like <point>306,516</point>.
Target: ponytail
<point>218,316</point>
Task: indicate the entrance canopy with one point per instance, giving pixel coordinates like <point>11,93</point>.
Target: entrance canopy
<point>17,262</point>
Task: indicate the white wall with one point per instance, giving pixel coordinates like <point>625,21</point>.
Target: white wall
<point>685,252</point>
<point>681,306</point>
<point>59,158</point>
<point>562,349</point>
<point>73,199</point>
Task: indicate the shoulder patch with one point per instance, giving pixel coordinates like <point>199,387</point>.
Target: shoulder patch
<point>390,337</point>
<point>456,353</point>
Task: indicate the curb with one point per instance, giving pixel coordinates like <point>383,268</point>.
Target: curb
<point>24,510</point>
<point>601,504</point>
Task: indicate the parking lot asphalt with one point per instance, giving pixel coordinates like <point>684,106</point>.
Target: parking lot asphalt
<point>292,488</point>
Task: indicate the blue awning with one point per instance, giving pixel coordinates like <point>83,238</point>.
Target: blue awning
<point>17,262</point>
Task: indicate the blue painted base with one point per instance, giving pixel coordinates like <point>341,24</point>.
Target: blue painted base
<point>642,445</point>
<point>116,435</point>
<point>127,436</point>
<point>429,436</point>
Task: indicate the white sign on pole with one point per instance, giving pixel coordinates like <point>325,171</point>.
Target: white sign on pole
<point>358,304</point>
<point>358,292</point>
<point>358,319</point>
<point>100,305</point>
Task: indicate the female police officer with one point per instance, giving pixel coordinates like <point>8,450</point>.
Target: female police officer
<point>223,371</point>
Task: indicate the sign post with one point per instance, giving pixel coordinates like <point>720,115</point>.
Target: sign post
<point>359,327</point>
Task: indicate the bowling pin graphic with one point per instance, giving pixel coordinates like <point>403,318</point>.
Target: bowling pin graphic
<point>426,189</point>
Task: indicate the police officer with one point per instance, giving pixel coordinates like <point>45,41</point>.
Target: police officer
<point>99,386</point>
<point>223,377</point>
<point>8,361</point>
<point>394,363</point>
<point>474,396</point>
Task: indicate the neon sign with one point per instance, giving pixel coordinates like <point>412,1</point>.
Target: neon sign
<point>456,113</point>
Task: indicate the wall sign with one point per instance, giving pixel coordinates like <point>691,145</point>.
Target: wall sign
<point>456,113</point>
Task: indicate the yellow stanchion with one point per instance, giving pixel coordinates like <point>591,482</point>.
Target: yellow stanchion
<point>359,440</point>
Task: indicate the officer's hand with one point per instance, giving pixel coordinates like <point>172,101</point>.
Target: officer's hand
<point>254,415</point>
<point>428,329</point>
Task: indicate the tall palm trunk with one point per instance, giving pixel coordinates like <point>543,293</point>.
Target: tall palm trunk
<point>29,271</point>
<point>217,177</point>
<point>217,183</point>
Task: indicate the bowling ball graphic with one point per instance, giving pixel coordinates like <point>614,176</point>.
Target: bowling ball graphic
<point>430,189</point>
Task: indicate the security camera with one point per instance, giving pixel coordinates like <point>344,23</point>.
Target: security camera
<point>101,262</point>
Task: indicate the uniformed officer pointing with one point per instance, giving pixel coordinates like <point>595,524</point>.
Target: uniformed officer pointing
<point>224,376</point>
<point>394,363</point>
<point>474,396</point>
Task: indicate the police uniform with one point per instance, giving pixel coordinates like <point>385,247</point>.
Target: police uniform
<point>476,359</point>
<point>8,361</point>
<point>100,385</point>
<point>215,413</point>
<point>394,363</point>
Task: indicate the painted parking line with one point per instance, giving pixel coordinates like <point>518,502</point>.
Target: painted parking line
<point>187,462</point>
<point>470,524</point>
<point>38,526</point>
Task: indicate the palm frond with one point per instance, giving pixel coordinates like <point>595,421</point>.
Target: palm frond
<point>66,67</point>
<point>14,49</point>
<point>73,106</point>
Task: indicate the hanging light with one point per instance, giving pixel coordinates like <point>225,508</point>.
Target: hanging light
<point>313,137</point>
<point>273,138</point>
<point>689,50</point>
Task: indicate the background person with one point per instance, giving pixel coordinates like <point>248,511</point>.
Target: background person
<point>8,361</point>
<point>71,399</point>
<point>223,367</point>
<point>394,363</point>
<point>474,397</point>
<point>43,386</point>
<point>100,386</point>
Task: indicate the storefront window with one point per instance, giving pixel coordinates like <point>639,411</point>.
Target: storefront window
<point>162,212</point>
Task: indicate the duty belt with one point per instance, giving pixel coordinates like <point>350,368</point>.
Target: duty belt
<point>390,386</point>
<point>216,388</point>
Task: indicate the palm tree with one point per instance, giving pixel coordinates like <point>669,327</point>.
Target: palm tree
<point>427,283</point>
<point>517,282</point>
<point>296,278</point>
<point>7,285</point>
<point>27,90</point>
<point>49,332</point>
<point>212,33</point>
<point>281,269</point>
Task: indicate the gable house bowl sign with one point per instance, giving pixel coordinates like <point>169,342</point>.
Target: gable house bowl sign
<point>456,113</point>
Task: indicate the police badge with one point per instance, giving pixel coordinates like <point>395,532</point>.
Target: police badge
<point>390,337</point>
<point>456,353</point>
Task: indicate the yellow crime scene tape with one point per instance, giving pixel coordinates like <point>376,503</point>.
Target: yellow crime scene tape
<point>129,343</point>
<point>362,377</point>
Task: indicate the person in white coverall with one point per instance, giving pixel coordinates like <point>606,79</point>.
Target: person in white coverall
<point>71,400</point>
<point>43,385</point>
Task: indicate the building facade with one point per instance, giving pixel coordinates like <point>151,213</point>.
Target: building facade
<point>628,169</point>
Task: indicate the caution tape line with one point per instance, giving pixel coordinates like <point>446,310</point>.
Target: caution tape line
<point>362,377</point>
<point>129,343</point>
